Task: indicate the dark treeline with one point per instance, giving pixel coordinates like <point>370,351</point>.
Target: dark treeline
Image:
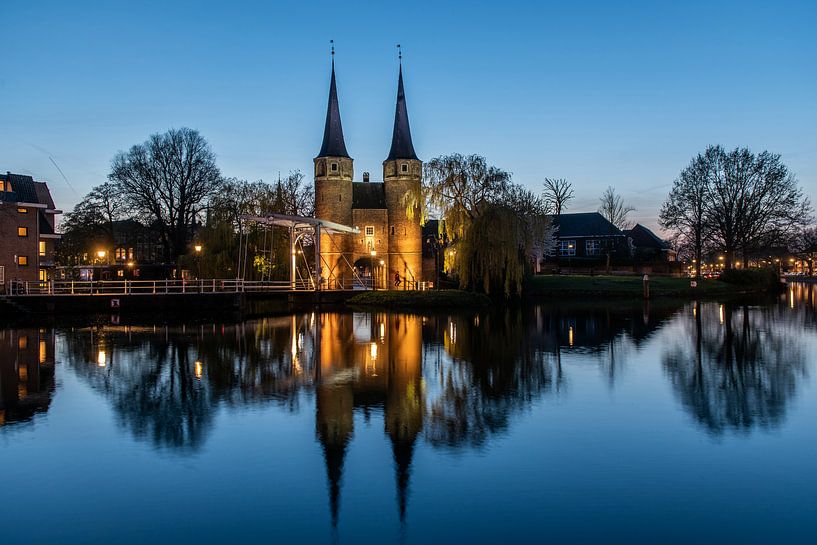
<point>167,194</point>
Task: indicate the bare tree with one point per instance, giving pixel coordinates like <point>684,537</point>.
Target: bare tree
<point>754,202</point>
<point>557,193</point>
<point>168,180</point>
<point>684,212</point>
<point>614,209</point>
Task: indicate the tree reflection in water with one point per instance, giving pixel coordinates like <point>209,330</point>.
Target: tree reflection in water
<point>453,381</point>
<point>735,367</point>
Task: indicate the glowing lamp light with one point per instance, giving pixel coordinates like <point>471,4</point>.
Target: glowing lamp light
<point>199,370</point>
<point>373,351</point>
<point>374,253</point>
<point>570,335</point>
<point>197,247</point>
<point>101,254</point>
<point>382,262</point>
<point>101,358</point>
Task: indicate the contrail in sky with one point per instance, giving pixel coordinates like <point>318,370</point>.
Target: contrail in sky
<point>63,176</point>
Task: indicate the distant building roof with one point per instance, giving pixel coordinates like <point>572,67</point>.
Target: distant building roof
<point>585,224</point>
<point>645,238</point>
<point>367,195</point>
<point>21,188</point>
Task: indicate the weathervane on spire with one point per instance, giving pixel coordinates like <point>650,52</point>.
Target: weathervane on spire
<point>332,45</point>
<point>399,54</point>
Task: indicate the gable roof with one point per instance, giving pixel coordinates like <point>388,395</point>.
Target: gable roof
<point>23,189</point>
<point>585,224</point>
<point>368,195</point>
<point>645,238</point>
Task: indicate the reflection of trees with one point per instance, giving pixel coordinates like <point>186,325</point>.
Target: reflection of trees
<point>165,385</point>
<point>502,362</point>
<point>740,370</point>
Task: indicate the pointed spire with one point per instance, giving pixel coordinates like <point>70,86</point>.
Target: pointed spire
<point>403,451</point>
<point>401,146</point>
<point>333,144</point>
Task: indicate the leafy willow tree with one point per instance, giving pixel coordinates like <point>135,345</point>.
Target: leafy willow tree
<point>613,207</point>
<point>168,181</point>
<point>557,193</point>
<point>496,227</point>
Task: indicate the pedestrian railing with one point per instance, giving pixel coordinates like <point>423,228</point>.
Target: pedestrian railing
<point>150,287</point>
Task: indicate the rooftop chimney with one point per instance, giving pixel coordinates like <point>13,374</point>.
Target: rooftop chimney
<point>365,177</point>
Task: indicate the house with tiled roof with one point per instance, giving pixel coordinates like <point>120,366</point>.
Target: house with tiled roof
<point>27,229</point>
<point>588,236</point>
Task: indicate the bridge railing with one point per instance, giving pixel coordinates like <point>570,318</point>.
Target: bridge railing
<point>149,287</point>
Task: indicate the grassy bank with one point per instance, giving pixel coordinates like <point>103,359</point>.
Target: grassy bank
<point>630,286</point>
<point>437,299</point>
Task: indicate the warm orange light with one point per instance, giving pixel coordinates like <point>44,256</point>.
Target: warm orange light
<point>199,369</point>
<point>197,247</point>
<point>570,335</point>
<point>101,254</point>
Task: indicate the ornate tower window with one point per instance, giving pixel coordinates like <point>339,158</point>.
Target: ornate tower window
<point>404,167</point>
<point>334,167</point>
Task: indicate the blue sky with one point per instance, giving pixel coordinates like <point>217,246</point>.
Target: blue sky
<point>600,94</point>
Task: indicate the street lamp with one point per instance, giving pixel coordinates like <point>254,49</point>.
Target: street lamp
<point>371,265</point>
<point>198,248</point>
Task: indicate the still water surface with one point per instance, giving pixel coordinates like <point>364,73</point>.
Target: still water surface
<point>564,423</point>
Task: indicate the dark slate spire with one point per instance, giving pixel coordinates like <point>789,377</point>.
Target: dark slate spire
<point>333,144</point>
<point>401,146</point>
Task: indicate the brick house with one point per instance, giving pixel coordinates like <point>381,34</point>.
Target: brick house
<point>27,229</point>
<point>588,236</point>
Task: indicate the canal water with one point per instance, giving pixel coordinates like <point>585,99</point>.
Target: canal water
<point>576,422</point>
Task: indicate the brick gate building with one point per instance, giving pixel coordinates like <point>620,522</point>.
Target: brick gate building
<point>389,246</point>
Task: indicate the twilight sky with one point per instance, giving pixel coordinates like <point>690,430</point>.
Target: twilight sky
<point>589,91</point>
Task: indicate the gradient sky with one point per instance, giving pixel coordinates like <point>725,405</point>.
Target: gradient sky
<point>600,94</point>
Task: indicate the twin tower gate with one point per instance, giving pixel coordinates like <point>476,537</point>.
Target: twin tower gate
<point>299,228</point>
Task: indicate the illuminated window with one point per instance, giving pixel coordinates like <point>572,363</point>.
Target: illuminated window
<point>23,210</point>
<point>42,248</point>
<point>370,230</point>
<point>567,247</point>
<point>22,342</point>
<point>2,185</point>
<point>43,275</point>
<point>22,231</point>
<point>120,273</point>
<point>22,372</point>
<point>22,260</point>
<point>43,352</point>
<point>592,247</point>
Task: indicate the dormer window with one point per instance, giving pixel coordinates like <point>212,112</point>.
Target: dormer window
<point>334,167</point>
<point>404,167</point>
